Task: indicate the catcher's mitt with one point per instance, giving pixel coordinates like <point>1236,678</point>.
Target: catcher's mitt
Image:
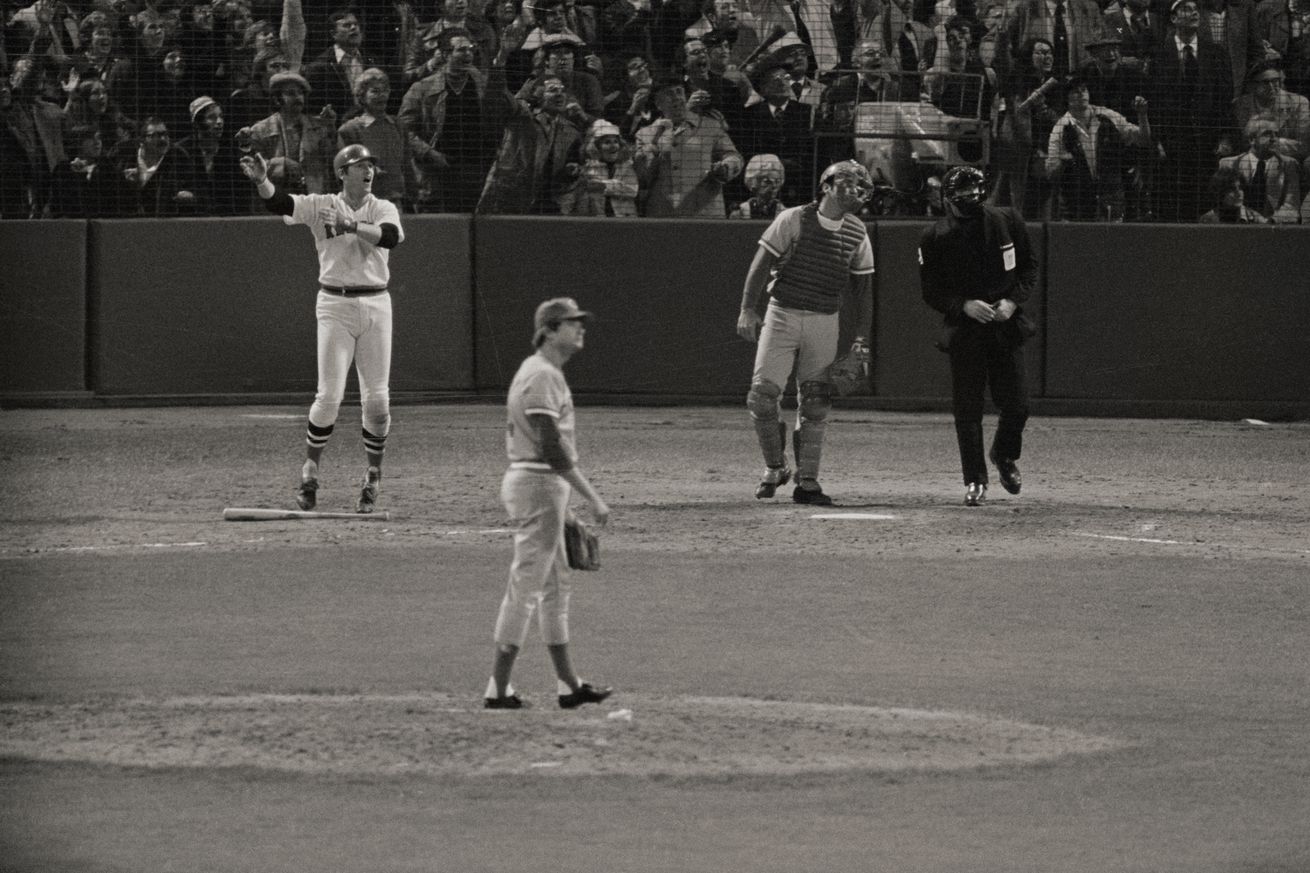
<point>581,545</point>
<point>849,374</point>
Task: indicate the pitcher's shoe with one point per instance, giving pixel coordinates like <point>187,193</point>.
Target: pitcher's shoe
<point>586,693</point>
<point>774,477</point>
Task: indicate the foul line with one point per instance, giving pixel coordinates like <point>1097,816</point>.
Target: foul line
<point>1132,539</point>
<point>845,516</point>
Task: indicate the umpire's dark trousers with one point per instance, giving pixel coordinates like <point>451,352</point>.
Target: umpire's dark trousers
<point>982,357</point>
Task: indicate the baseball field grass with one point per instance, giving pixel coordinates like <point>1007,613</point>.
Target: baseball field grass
<point>1107,672</point>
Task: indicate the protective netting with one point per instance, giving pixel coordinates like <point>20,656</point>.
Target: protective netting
<point>1150,111</point>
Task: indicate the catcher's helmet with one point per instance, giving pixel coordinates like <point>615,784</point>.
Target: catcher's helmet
<point>964,185</point>
<point>853,169</point>
<point>352,154</point>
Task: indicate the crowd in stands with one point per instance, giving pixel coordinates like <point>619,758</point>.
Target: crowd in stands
<point>1079,110</point>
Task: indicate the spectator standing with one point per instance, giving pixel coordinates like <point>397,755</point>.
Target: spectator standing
<point>154,173</point>
<point>1034,100</point>
<point>718,45</point>
<point>609,180</point>
<point>540,153</point>
<point>332,75</point>
<point>632,107</point>
<point>782,127</point>
<point>35,133</point>
<point>1139,31</point>
<point>99,58</point>
<point>808,260</point>
<point>543,474</point>
<point>559,58</point>
<point>707,90</point>
<point>684,158</point>
<point>976,267</point>
<point>215,174</point>
<point>1066,25</point>
<point>544,18</point>
<point>1271,182</point>
<point>1283,27</point>
<point>132,83</point>
<point>253,102</point>
<point>963,87</point>
<point>724,16</point>
<point>1087,151</point>
<point>1227,196</point>
<point>1232,25</point>
<point>89,106</point>
<point>298,146</point>
<point>625,27</point>
<point>446,111</point>
<point>85,186</point>
<point>388,139</point>
<point>1191,103</point>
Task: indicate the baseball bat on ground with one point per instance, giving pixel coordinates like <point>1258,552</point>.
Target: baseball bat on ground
<point>244,514</point>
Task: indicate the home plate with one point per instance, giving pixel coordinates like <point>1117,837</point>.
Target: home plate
<point>861,516</point>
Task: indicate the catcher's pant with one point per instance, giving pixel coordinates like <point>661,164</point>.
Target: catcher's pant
<point>537,502</point>
<point>358,329</point>
<point>795,338</point>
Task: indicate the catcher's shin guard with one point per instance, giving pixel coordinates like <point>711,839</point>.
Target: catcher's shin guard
<point>815,401</point>
<point>763,403</point>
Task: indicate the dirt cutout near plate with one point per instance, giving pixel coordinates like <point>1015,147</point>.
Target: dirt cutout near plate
<point>434,734</point>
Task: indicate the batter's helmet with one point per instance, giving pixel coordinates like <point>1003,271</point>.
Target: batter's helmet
<point>352,154</point>
<point>964,185</point>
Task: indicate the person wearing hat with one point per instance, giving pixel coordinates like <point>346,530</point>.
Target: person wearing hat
<point>1088,151</point>
<point>781,126</point>
<point>215,172</point>
<point>559,56</point>
<point>297,144</point>
<point>797,57</point>
<point>1112,83</point>
<point>1191,96</point>
<point>1268,97</point>
<point>354,233</point>
<point>809,260</point>
<point>543,474</point>
<point>1138,28</point>
<point>609,179</point>
<point>685,158</point>
<point>724,17</point>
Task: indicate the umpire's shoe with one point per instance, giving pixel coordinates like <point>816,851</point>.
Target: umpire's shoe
<point>368,494</point>
<point>773,479</point>
<point>975,494</point>
<point>585,693</point>
<point>307,494</point>
<point>810,496</point>
<point>1008,471</point>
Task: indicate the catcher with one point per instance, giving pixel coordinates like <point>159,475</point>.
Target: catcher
<point>542,474</point>
<point>809,257</point>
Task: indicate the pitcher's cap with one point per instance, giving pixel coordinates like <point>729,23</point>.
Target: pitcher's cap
<point>551,312</point>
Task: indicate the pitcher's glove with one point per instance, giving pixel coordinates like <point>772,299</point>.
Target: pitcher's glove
<point>581,545</point>
<point>849,374</point>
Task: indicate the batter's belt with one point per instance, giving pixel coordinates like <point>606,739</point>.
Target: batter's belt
<point>353,292</point>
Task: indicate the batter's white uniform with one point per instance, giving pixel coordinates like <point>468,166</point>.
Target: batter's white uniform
<point>353,309</point>
<point>537,500</point>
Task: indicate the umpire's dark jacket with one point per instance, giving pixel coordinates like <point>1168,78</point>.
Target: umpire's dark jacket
<point>987,257</point>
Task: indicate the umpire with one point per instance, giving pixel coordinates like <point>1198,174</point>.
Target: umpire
<point>976,267</point>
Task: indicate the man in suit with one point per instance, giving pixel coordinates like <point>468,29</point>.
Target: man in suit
<point>1191,95</point>
<point>782,126</point>
<point>332,74</point>
<point>1138,29</point>
<point>1066,24</point>
<point>1271,182</point>
<point>1283,27</point>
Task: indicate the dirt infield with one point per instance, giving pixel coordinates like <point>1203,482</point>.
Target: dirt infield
<point>1106,673</point>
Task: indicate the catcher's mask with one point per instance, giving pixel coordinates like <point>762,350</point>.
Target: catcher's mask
<point>849,175</point>
<point>963,189</point>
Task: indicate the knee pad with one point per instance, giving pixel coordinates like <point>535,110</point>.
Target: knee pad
<point>763,400</point>
<point>815,401</point>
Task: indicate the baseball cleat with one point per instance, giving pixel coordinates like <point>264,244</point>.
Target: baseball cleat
<point>811,496</point>
<point>509,701</point>
<point>585,693</point>
<point>1008,471</point>
<point>975,494</point>
<point>773,478</point>
<point>307,494</point>
<point>368,494</point>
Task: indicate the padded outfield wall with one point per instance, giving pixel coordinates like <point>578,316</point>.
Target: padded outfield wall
<point>1137,319</point>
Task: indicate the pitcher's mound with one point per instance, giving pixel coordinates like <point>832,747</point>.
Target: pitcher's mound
<point>434,734</point>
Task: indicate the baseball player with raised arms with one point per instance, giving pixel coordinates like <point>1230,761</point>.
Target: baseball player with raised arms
<point>809,258</point>
<point>354,233</point>
<point>543,472</point>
